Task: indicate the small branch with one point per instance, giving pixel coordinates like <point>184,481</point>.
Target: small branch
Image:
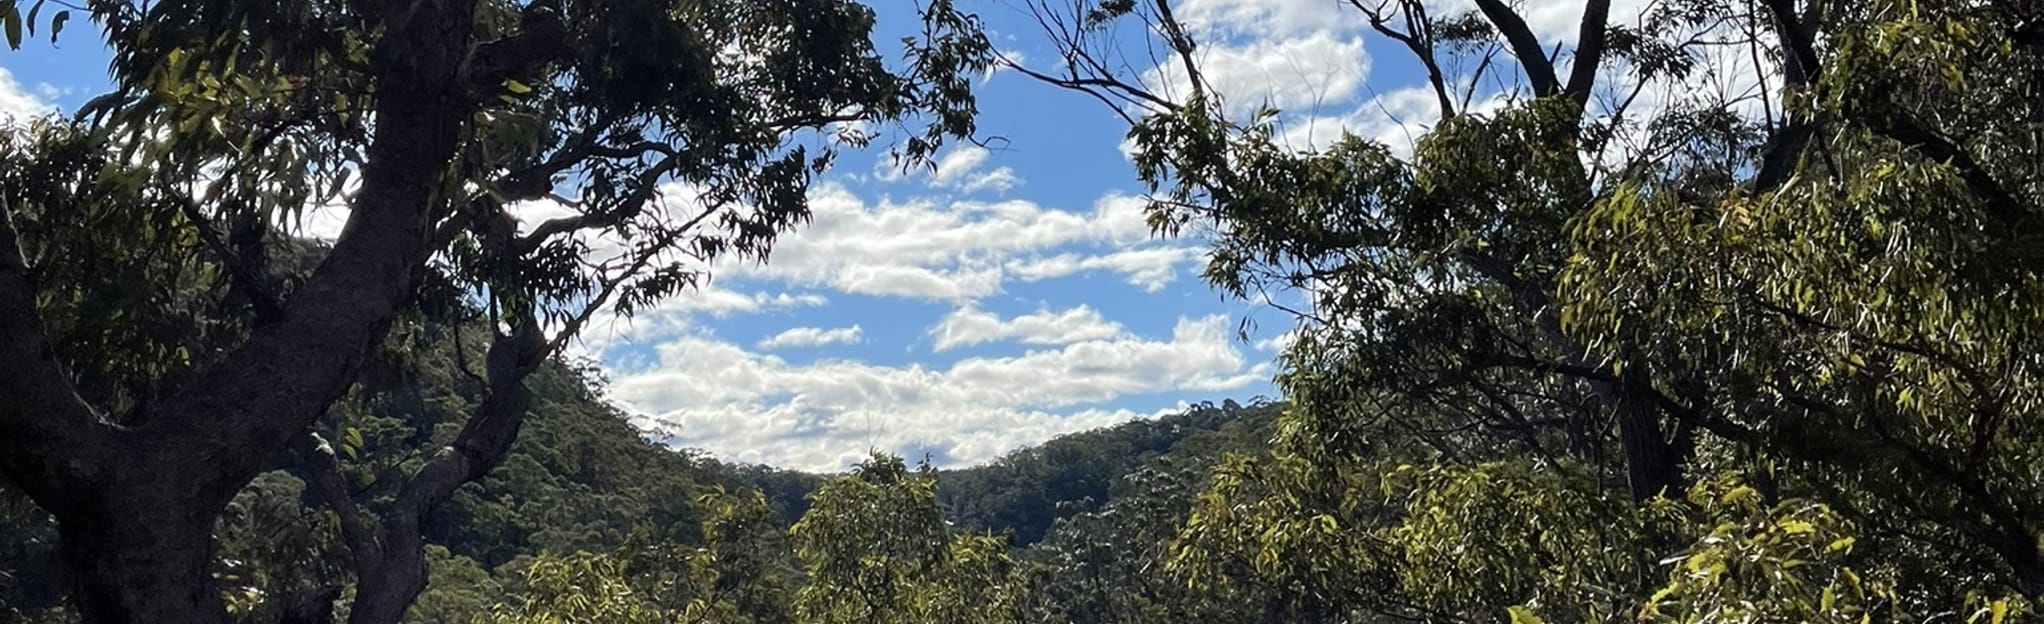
<point>1417,39</point>
<point>247,279</point>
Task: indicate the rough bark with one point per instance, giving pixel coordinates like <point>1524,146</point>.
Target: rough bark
<point>44,426</point>
<point>136,505</point>
<point>141,554</point>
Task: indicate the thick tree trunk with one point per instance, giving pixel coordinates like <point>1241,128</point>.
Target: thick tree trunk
<point>384,596</point>
<point>136,505</point>
<point>148,558</point>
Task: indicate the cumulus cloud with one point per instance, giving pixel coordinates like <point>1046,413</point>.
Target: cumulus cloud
<point>683,312</point>
<point>812,337</point>
<point>963,168</point>
<point>1274,17</point>
<point>970,326</point>
<point>1321,68</point>
<point>1150,269</point>
<point>750,406</point>
<point>19,102</point>
<point>938,250</point>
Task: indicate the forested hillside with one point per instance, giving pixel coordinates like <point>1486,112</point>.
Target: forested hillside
<point>1028,490</point>
<point>1687,311</point>
<point>581,483</point>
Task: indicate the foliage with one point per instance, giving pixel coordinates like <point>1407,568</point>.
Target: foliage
<point>1812,318</point>
<point>876,548</point>
<point>1028,490</point>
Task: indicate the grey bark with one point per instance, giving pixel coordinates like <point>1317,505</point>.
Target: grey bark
<point>136,505</point>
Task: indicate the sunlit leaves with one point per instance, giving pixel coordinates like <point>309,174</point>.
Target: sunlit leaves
<point>877,549</point>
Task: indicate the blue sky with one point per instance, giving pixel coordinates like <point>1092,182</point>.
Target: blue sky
<point>1011,295</point>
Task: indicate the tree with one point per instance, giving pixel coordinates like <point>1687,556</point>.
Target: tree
<point>1823,286</point>
<point>877,549</point>
<point>135,426</point>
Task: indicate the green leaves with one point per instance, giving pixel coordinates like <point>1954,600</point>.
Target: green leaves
<point>878,549</point>
<point>10,20</point>
<point>14,24</point>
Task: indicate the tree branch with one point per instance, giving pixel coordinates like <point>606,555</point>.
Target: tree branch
<point>43,421</point>
<point>235,415</point>
<point>1539,68</point>
<point>1589,51</point>
<point>1418,39</point>
<point>358,527</point>
<point>1786,144</point>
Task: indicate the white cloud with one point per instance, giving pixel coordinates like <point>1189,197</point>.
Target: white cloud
<point>748,406</point>
<point>719,303</point>
<point>680,314</point>
<point>1302,72</point>
<point>812,337</point>
<point>1279,342</point>
<point>927,249</point>
<point>970,326</point>
<point>998,180</point>
<point>1279,17</point>
<point>958,162</point>
<point>1150,268</point>
<point>961,169</point>
<point>18,102</point>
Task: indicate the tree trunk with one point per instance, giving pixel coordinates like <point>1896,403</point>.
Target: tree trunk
<point>2029,576</point>
<point>1653,454</point>
<point>1650,465</point>
<point>313,605</point>
<point>147,557</point>
<point>383,597</point>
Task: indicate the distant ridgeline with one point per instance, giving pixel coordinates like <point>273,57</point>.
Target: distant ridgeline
<point>582,480</point>
<point>1029,489</point>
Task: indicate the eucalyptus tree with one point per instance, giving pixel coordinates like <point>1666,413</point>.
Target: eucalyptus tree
<point>1820,281</point>
<point>876,548</point>
<point>153,357</point>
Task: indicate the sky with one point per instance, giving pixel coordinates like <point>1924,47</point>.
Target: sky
<point>1012,294</point>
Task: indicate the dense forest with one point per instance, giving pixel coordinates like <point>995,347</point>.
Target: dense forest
<point>582,495</point>
<point>1752,350</point>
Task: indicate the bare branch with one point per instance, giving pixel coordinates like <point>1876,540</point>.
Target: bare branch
<point>1538,67</point>
<point>1589,51</point>
<point>1418,39</point>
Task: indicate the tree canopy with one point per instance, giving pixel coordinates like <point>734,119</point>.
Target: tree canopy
<point>640,141</point>
<point>1792,322</point>
<point>1569,356</point>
